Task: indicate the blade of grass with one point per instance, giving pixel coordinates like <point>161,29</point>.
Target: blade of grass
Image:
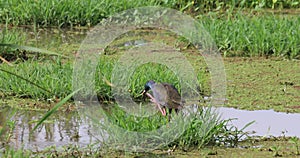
<point>50,112</point>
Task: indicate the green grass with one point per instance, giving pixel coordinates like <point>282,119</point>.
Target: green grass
<point>136,82</point>
<point>235,33</point>
<point>239,35</point>
<point>10,152</point>
<point>63,13</point>
<point>11,36</point>
<point>87,13</point>
<point>54,79</point>
<point>137,133</point>
<point>213,136</point>
<point>266,35</point>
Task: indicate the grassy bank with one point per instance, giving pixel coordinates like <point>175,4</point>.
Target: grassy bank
<point>88,13</point>
<point>203,128</point>
<point>248,36</point>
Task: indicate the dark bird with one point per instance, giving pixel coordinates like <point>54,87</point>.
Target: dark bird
<point>166,96</point>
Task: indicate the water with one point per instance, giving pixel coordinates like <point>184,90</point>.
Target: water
<point>267,122</point>
<point>52,37</point>
<point>64,128</point>
<point>60,129</point>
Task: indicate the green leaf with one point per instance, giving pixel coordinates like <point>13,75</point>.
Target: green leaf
<point>26,80</point>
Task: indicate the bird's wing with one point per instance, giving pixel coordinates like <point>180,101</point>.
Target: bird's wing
<point>160,94</point>
<point>174,98</point>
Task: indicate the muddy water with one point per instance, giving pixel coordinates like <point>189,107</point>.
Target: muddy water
<point>69,128</point>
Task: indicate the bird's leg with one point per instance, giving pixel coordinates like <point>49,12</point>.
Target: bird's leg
<point>169,115</point>
<point>152,99</point>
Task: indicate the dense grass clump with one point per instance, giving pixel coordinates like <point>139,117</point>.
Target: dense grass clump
<point>91,12</point>
<point>63,13</point>
<point>148,133</point>
<point>266,35</point>
<point>53,80</point>
<point>12,36</point>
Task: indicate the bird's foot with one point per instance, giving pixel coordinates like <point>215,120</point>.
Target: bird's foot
<point>163,111</point>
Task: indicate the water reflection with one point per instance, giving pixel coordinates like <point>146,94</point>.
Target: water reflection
<point>59,130</point>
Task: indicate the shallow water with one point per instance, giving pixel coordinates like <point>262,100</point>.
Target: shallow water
<point>267,122</point>
<point>66,128</point>
<point>50,37</point>
<point>60,129</point>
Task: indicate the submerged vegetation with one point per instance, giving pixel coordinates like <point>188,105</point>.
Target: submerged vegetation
<point>256,29</point>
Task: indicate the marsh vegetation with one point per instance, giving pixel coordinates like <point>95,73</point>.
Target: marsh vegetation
<point>259,41</point>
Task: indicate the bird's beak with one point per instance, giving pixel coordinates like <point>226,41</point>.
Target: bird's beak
<point>143,92</point>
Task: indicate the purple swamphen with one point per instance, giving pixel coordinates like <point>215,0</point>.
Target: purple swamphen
<point>165,96</point>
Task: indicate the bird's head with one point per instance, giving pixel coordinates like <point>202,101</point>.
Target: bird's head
<point>148,86</point>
